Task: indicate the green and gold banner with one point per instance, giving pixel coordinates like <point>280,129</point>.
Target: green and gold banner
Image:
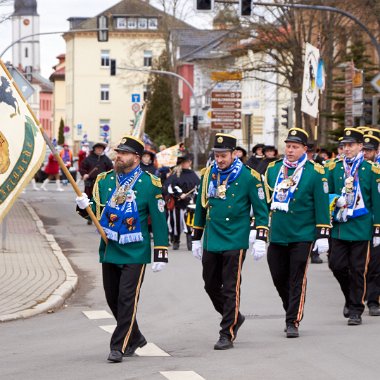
<point>22,146</point>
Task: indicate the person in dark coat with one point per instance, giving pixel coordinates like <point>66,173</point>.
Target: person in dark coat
<point>241,154</point>
<point>147,162</point>
<point>179,185</point>
<point>257,156</point>
<point>270,155</point>
<point>96,162</point>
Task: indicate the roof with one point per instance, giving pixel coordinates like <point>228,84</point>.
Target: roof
<point>45,84</point>
<point>135,8</point>
<point>201,44</point>
<point>25,8</point>
<point>58,74</point>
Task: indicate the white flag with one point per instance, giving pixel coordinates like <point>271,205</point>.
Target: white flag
<point>310,92</point>
<point>22,146</point>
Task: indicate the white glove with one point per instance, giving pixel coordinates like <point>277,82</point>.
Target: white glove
<point>196,247</point>
<point>158,267</point>
<point>252,236</point>
<point>341,201</point>
<point>82,201</point>
<point>259,249</point>
<point>376,241</point>
<point>321,245</point>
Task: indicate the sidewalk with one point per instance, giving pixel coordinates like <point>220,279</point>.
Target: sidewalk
<point>35,276</point>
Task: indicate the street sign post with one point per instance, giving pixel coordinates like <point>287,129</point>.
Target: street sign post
<point>136,98</point>
<point>376,82</point>
<point>225,124</point>
<point>226,104</point>
<point>135,107</point>
<point>226,95</point>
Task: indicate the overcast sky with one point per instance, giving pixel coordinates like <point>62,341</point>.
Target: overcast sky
<point>53,17</point>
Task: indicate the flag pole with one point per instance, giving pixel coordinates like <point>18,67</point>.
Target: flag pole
<point>59,159</point>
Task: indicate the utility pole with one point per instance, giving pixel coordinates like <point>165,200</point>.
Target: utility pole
<point>196,105</point>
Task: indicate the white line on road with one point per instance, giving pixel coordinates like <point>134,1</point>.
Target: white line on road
<point>108,328</point>
<point>97,314</point>
<point>181,375</point>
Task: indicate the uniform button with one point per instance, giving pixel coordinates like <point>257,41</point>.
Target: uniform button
<point>291,212</point>
<point>210,206</point>
<point>296,188</point>
<point>227,219</point>
<point>229,206</point>
<point>340,177</point>
<point>363,168</point>
<point>139,180</point>
<point>112,177</point>
<point>294,200</point>
<point>233,195</point>
<point>109,189</point>
<point>236,184</point>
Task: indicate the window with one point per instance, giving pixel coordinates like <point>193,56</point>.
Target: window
<point>26,53</point>
<point>152,23</point>
<point>105,58</point>
<point>143,23</point>
<point>146,91</point>
<point>132,23</point>
<point>104,92</point>
<point>121,23</point>
<point>147,58</point>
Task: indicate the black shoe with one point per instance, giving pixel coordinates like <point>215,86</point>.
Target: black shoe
<point>374,311</point>
<point>115,356</point>
<point>346,311</point>
<point>240,321</point>
<point>175,245</point>
<point>315,259</point>
<point>223,343</point>
<point>292,331</point>
<point>89,222</point>
<point>131,349</point>
<point>354,320</point>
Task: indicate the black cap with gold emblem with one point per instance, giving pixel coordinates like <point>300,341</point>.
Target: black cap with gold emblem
<point>130,144</point>
<point>224,142</point>
<point>371,139</point>
<point>352,135</point>
<point>297,135</point>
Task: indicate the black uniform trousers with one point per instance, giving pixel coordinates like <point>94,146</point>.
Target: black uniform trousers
<point>222,277</point>
<point>288,267</point>
<point>176,223</point>
<point>373,277</point>
<point>348,261</point>
<point>122,284</point>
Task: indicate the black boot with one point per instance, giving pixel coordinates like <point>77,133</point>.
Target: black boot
<point>315,259</point>
<point>223,343</point>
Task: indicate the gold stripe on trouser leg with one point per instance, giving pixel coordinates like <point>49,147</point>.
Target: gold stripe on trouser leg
<point>126,339</point>
<point>366,270</point>
<point>303,292</point>
<point>237,304</point>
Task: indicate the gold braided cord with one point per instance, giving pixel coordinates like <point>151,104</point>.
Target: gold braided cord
<point>96,197</point>
<point>205,187</point>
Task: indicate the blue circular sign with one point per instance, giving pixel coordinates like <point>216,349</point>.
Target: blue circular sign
<point>106,128</point>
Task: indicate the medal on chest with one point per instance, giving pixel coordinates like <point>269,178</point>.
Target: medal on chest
<point>221,191</point>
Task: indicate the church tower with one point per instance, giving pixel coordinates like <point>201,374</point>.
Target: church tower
<point>26,21</point>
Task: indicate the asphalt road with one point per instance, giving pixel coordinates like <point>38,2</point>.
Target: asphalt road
<point>176,315</point>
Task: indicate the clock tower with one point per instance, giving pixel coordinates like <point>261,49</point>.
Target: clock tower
<point>26,21</point>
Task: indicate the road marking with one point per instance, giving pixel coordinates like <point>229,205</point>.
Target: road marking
<point>97,314</point>
<point>108,328</point>
<point>149,349</point>
<point>181,375</point>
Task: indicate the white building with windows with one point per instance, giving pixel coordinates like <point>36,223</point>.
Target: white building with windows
<point>98,104</point>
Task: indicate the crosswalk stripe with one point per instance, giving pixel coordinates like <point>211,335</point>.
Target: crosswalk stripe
<point>181,375</point>
<point>97,314</point>
<point>151,350</point>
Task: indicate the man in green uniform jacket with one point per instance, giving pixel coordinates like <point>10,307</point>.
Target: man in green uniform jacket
<point>356,220</point>
<point>123,199</point>
<point>228,190</point>
<point>297,192</point>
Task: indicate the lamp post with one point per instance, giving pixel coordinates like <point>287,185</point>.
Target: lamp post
<point>190,87</point>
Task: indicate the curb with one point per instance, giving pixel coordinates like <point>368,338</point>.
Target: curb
<point>59,295</point>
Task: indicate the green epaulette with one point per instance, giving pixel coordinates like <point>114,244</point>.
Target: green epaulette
<point>155,180</point>
<point>375,168</point>
<point>318,167</point>
<point>255,174</point>
<point>203,171</point>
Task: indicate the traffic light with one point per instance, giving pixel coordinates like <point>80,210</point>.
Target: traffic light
<point>287,116</point>
<point>102,26</point>
<point>245,7</point>
<point>367,110</point>
<point>195,122</point>
<point>181,131</point>
<point>204,5</point>
<point>113,67</point>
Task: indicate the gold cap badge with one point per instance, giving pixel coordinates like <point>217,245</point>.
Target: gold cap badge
<point>220,139</point>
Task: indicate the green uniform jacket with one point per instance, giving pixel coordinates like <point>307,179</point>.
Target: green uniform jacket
<point>308,210</point>
<point>360,228</point>
<point>226,223</point>
<point>149,203</point>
